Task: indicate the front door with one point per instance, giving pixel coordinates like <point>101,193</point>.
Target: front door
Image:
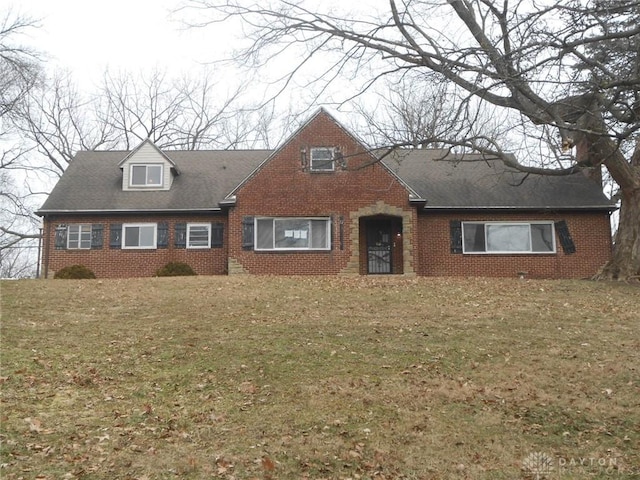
<point>379,245</point>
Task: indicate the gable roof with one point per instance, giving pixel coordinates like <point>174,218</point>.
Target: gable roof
<point>321,111</point>
<point>472,182</point>
<point>93,182</point>
<point>208,179</point>
<point>148,141</point>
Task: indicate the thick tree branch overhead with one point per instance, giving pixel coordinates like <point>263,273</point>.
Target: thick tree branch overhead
<point>566,66</point>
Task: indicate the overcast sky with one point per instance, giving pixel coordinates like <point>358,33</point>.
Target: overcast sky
<point>88,36</point>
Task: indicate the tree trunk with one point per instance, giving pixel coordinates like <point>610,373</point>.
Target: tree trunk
<point>625,261</point>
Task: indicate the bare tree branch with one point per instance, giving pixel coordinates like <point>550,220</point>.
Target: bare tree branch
<point>569,66</point>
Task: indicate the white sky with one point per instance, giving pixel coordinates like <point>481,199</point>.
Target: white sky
<point>88,36</point>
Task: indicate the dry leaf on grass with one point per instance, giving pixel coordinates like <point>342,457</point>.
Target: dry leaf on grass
<point>248,388</point>
<point>35,425</point>
<point>268,464</point>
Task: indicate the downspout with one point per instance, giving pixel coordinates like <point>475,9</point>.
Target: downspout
<point>45,247</point>
<point>39,253</point>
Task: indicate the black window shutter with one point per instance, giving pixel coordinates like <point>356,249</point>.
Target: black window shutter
<point>163,235</point>
<point>115,235</point>
<point>217,235</point>
<point>181,235</point>
<point>565,237</point>
<point>330,232</point>
<point>247,233</point>
<point>455,228</point>
<point>61,237</point>
<point>96,236</point>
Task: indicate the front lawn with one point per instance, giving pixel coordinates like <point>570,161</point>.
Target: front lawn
<point>319,377</point>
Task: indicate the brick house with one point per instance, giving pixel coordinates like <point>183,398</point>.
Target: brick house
<point>321,204</point>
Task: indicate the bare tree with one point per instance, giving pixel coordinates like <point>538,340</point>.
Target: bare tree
<point>533,58</point>
<point>19,65</point>
<point>417,114</point>
<point>54,120</point>
<point>57,119</point>
<point>175,113</point>
<point>20,73</point>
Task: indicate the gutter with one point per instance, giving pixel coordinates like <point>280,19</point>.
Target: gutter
<point>609,208</point>
<point>43,213</point>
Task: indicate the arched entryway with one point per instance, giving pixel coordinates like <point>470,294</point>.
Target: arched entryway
<point>367,226</point>
<point>381,244</point>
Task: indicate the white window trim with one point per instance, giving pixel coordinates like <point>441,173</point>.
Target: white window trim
<point>124,236</point>
<point>146,184</point>
<point>80,227</point>
<point>291,249</point>
<point>207,225</point>
<point>510,252</point>
<point>333,160</point>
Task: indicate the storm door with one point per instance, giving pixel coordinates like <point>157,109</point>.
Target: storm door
<point>379,246</point>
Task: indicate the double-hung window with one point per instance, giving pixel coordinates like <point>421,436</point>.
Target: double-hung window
<point>508,237</point>
<point>198,235</point>
<point>293,234</point>
<point>146,175</point>
<point>140,235</point>
<point>79,237</point>
<point>322,160</point>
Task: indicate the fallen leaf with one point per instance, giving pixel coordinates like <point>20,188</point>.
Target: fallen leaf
<point>247,387</point>
<point>268,464</point>
<point>35,425</point>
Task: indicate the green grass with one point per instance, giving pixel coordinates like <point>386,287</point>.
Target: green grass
<point>309,377</point>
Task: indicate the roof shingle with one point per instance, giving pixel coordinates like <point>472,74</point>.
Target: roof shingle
<point>473,182</point>
<point>93,183</point>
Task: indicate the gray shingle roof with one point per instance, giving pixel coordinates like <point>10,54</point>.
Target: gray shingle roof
<point>473,182</point>
<point>93,183</point>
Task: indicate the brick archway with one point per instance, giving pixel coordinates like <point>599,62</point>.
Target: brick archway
<point>380,208</point>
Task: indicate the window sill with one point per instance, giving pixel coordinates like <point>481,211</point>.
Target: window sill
<point>293,250</point>
<point>507,254</point>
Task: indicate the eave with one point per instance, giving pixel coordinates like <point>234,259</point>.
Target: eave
<point>229,201</point>
<point>609,208</point>
<point>127,211</point>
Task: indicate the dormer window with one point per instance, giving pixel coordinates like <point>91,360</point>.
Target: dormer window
<point>147,168</point>
<point>322,160</point>
<point>146,175</point>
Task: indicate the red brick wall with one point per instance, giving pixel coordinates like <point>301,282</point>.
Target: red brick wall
<point>590,232</point>
<point>283,187</point>
<point>123,263</point>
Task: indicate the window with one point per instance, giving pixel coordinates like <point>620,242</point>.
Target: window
<point>146,176</point>
<point>293,234</point>
<point>494,237</point>
<point>322,159</point>
<point>79,236</point>
<point>142,235</point>
<point>198,235</point>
